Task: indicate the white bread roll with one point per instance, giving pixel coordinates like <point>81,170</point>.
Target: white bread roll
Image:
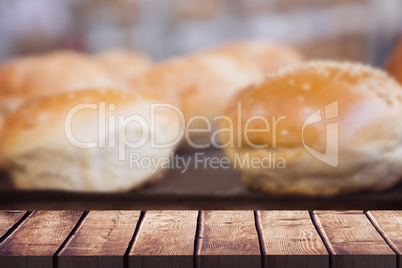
<point>27,77</point>
<point>40,143</point>
<point>201,84</point>
<point>123,64</point>
<point>342,130</point>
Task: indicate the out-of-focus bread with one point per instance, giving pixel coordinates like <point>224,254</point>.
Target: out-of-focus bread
<point>395,63</point>
<point>202,83</point>
<point>340,132</point>
<point>268,57</point>
<point>47,142</point>
<point>32,76</point>
<point>124,64</point>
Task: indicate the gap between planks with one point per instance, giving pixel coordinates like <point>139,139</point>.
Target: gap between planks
<point>257,222</point>
<point>6,229</point>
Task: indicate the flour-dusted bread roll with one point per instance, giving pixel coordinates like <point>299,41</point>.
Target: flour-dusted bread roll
<point>124,64</point>
<point>320,128</point>
<point>395,63</point>
<point>32,76</point>
<point>202,83</point>
<point>89,140</point>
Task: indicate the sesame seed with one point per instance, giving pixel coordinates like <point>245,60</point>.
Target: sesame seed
<point>341,70</point>
<point>112,107</point>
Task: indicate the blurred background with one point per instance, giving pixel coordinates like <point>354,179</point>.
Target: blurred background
<point>360,30</point>
<point>355,30</point>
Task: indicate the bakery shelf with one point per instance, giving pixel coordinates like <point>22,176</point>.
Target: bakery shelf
<point>195,189</point>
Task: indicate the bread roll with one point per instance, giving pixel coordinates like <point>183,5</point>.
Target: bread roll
<point>51,143</point>
<point>124,64</point>
<point>202,83</point>
<point>395,63</point>
<point>31,76</point>
<point>267,57</point>
<point>330,128</point>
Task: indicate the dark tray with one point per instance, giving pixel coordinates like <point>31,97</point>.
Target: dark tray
<point>195,189</point>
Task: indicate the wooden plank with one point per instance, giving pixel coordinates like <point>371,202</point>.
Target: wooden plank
<point>389,225</point>
<point>37,239</point>
<point>8,218</point>
<point>353,240</point>
<point>165,239</point>
<point>289,239</point>
<point>228,239</point>
<point>101,241</point>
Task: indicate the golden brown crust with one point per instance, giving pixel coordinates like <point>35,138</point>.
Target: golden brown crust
<point>28,77</point>
<point>124,64</point>
<point>368,151</point>
<point>299,91</point>
<point>52,109</point>
<point>394,65</point>
<point>268,57</point>
<point>225,68</point>
<point>202,83</point>
<point>43,149</point>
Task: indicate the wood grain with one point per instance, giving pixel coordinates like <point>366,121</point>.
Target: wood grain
<point>389,225</point>
<point>165,239</point>
<point>101,240</point>
<point>353,240</point>
<point>37,239</point>
<point>8,218</point>
<point>289,239</point>
<point>228,239</point>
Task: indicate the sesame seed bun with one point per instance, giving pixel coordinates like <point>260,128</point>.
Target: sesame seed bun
<point>341,131</point>
<point>202,83</point>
